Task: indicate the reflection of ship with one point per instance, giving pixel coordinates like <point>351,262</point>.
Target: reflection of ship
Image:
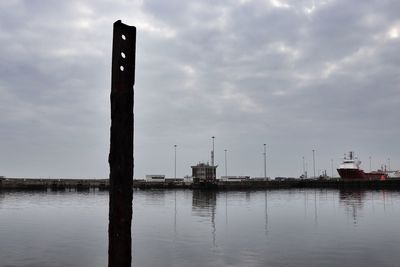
<point>353,202</point>
<point>350,169</point>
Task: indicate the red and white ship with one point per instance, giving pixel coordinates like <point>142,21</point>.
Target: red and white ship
<point>350,169</point>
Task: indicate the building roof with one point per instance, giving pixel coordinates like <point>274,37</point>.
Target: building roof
<point>204,165</point>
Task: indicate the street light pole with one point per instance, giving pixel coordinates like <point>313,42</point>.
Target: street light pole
<point>212,153</point>
<point>226,165</point>
<point>175,163</point>
<point>313,158</point>
<point>370,169</point>
<point>212,159</point>
<point>265,161</point>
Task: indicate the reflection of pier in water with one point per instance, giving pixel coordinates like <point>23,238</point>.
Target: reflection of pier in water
<point>314,196</point>
<point>204,204</point>
<point>351,203</point>
<point>155,197</point>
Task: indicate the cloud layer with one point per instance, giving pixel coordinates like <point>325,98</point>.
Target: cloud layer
<point>296,75</point>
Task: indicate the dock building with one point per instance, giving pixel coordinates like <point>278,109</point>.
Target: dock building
<point>234,178</point>
<point>155,178</point>
<point>204,172</point>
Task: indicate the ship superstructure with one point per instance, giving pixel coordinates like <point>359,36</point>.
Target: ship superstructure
<point>350,169</point>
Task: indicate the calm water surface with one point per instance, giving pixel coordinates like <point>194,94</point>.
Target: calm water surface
<point>193,228</point>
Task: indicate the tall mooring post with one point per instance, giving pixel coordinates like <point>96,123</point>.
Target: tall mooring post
<point>121,145</point>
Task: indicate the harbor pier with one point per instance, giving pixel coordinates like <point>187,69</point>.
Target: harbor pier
<point>60,184</point>
<point>54,184</point>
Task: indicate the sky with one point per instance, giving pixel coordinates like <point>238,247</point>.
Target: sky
<point>298,76</point>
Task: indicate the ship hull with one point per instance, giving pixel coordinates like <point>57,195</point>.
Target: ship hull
<point>376,175</point>
<point>352,174</point>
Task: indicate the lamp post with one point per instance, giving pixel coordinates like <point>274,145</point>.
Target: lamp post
<point>226,165</point>
<point>370,165</point>
<point>212,159</point>
<point>265,161</point>
<point>175,163</point>
<point>212,152</point>
<point>313,158</point>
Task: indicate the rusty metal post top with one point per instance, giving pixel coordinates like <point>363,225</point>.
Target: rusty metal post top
<point>121,145</point>
<point>123,57</point>
<point>123,26</point>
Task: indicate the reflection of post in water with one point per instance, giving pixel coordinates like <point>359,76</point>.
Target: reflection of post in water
<point>266,212</point>
<point>305,203</point>
<point>315,208</point>
<point>175,215</point>
<point>121,145</point>
<point>248,196</point>
<point>353,201</point>
<point>204,204</point>
<point>384,200</point>
<point>226,210</point>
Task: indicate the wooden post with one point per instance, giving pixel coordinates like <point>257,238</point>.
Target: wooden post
<point>121,145</point>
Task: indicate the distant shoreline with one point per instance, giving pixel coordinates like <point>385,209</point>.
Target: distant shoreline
<point>103,184</point>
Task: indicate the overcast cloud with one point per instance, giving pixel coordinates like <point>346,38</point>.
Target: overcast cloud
<point>295,75</point>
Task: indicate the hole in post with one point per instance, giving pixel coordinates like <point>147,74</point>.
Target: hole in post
<point>123,37</point>
<point>123,55</point>
<point>121,68</point>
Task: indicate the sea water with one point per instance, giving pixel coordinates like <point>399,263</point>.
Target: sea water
<point>205,228</point>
